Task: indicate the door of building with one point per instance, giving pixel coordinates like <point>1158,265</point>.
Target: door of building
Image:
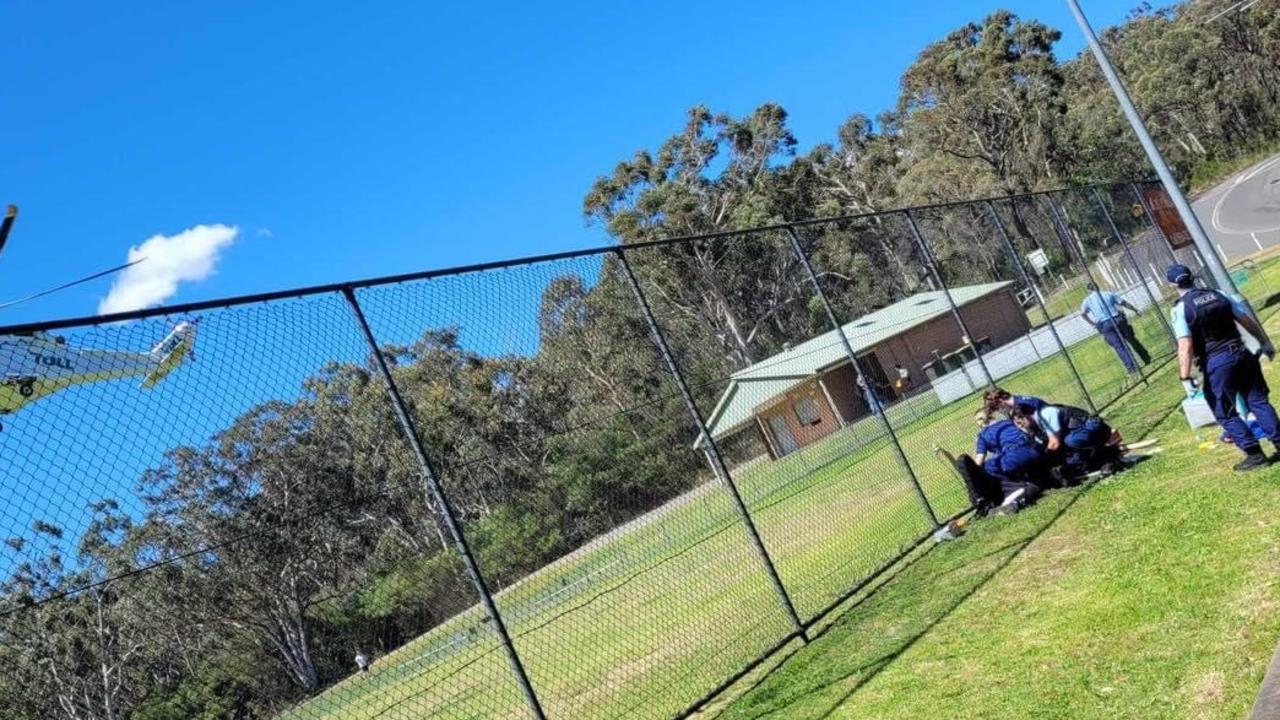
<point>782,436</point>
<point>876,377</point>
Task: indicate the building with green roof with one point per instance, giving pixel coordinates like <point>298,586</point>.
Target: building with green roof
<point>809,391</point>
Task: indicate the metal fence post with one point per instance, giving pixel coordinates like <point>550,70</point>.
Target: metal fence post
<point>857,369</point>
<point>1064,236</point>
<point>1064,233</point>
<point>437,494</point>
<point>1048,319</point>
<point>713,448</point>
<point>946,291</point>
<point>1115,231</point>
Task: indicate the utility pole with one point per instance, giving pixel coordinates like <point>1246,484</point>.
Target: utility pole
<point>1221,277</point>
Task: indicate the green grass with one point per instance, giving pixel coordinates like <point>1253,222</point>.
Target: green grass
<point>1150,595</point>
<point>1065,301</point>
<point>1263,281</point>
<point>648,620</point>
<point>1209,173</point>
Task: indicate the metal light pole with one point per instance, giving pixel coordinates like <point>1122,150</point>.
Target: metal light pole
<point>1220,275</point>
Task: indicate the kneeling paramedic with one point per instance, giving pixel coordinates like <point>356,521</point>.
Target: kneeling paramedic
<point>1204,321</point>
<point>1002,471</point>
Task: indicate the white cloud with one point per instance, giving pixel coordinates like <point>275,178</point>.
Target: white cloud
<point>189,256</point>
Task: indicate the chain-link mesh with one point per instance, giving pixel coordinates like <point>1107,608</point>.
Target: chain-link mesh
<point>765,362</point>
<point>246,527</point>
<point>598,485</point>
<point>599,525</point>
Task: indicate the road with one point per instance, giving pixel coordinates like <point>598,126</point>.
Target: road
<point>1242,215</point>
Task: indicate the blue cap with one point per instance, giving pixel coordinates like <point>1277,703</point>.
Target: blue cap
<point>1178,274</point>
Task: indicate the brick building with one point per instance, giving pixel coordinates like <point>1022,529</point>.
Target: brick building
<point>807,392</point>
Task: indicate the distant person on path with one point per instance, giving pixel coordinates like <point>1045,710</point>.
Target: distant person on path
<point>1102,310</point>
<point>1204,321</point>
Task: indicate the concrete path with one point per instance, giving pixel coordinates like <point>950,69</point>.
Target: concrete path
<point>1267,704</point>
<point>1242,214</point>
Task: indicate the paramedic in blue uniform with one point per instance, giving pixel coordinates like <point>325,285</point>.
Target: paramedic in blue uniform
<point>1103,311</point>
<point>1204,321</point>
<point>1005,468</point>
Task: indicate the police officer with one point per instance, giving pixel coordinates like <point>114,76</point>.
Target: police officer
<point>1204,322</point>
<point>1076,441</point>
<point>998,400</point>
<point>1103,311</point>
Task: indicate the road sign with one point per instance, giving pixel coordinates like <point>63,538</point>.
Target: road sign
<point>1038,260</point>
<point>1166,215</point>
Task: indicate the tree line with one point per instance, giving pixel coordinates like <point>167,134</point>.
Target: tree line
<point>300,534</point>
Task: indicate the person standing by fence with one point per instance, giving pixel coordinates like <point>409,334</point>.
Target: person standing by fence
<point>1205,323</point>
<point>1103,310</point>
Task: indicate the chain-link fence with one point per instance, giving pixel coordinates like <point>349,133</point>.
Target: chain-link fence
<point>592,485</point>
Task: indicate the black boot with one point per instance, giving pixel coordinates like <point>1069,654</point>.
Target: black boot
<point>1253,460</point>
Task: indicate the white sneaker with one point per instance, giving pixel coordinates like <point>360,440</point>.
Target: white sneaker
<point>1010,505</point>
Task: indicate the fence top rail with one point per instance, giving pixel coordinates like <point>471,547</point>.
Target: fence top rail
<point>337,287</point>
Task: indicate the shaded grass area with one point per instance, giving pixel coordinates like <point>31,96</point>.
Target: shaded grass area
<point>1151,595</point>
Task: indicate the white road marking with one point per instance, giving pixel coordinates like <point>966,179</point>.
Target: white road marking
<point>1256,241</point>
<point>1216,218</point>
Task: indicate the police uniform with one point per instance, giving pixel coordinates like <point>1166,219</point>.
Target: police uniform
<point>1085,437</point>
<point>1028,404</point>
<point>1228,369</point>
<point>1104,309</point>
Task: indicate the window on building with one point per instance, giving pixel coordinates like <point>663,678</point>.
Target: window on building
<point>807,411</point>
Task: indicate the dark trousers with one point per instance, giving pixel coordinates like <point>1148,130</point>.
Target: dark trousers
<point>1237,372</point>
<point>988,490</point>
<point>1087,447</point>
<point>1119,335</point>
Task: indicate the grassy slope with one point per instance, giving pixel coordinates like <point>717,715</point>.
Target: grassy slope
<point>1151,595</point>
<point>657,616</point>
<point>1207,175</point>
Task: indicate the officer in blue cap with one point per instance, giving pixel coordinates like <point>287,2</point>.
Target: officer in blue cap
<point>1204,322</point>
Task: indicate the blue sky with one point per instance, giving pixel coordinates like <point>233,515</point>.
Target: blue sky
<point>347,141</point>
